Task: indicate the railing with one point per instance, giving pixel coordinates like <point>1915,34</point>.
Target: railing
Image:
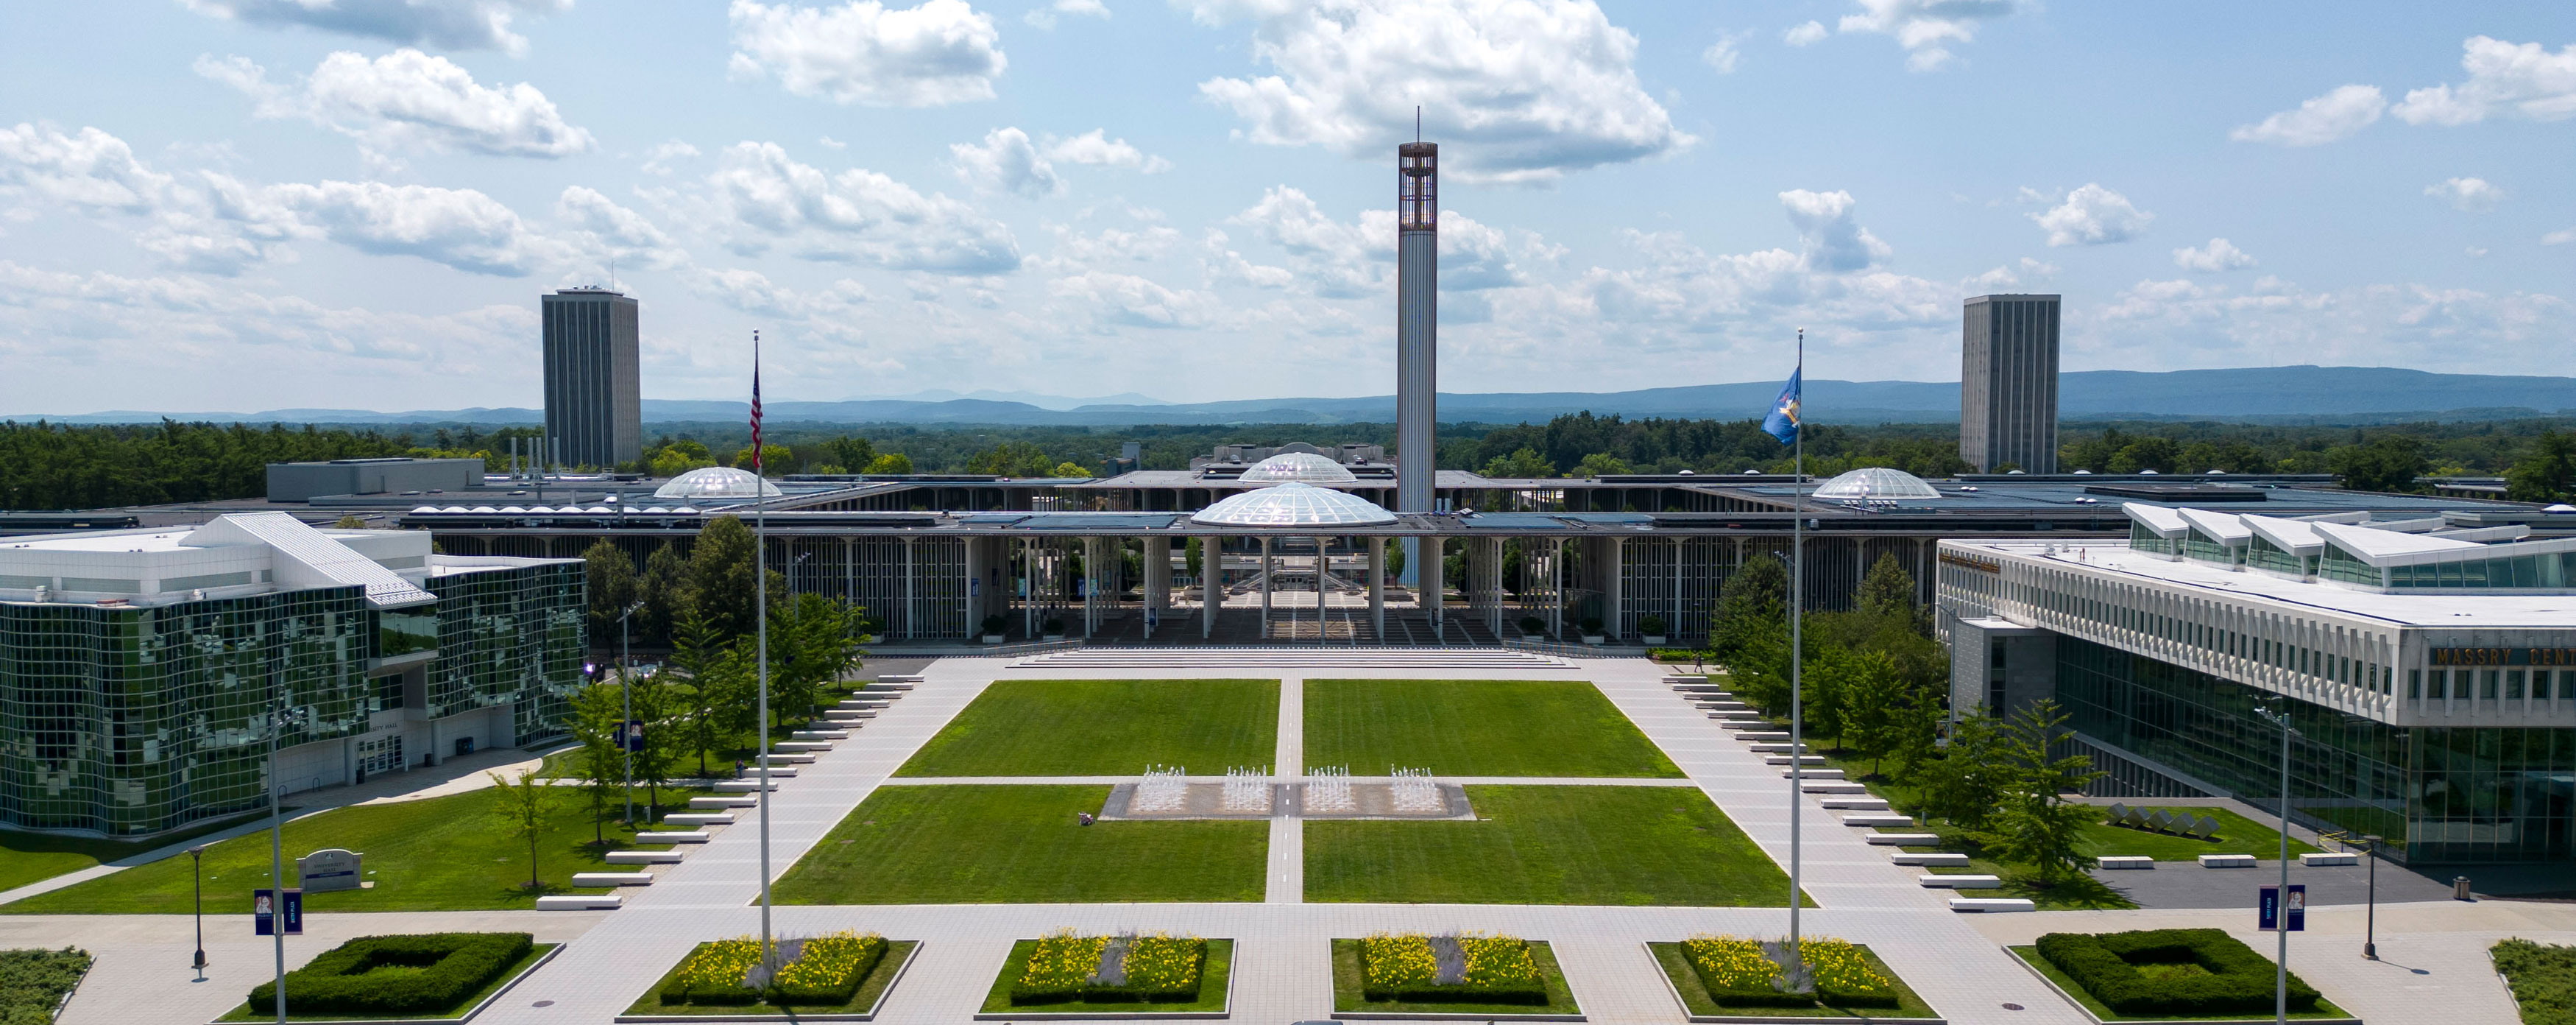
<point>1563,649</point>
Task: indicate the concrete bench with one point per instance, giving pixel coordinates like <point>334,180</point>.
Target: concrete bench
<point>1737,715</point>
<point>1869,820</point>
<point>1808,774</point>
<point>2119,861</point>
<point>740,786</point>
<point>673,836</point>
<point>2227,861</point>
<point>776,772</point>
<point>1855,803</point>
<point>848,719</point>
<point>1904,839</point>
<point>1960,882</point>
<point>790,759</point>
<point>904,680</point>
<point>641,857</point>
<point>864,704</point>
<point>612,879</point>
<point>820,735</point>
<point>2334,858</point>
<point>1778,747</point>
<point>1800,759</point>
<point>711,818</point>
<point>1938,860</point>
<point>1751,734</point>
<point>1832,787</point>
<point>724,801</point>
<point>1725,706</point>
<point>802,745</point>
<point>601,902</point>
<point>1990,905</point>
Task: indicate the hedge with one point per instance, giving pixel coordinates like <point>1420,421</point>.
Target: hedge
<point>32,982</point>
<point>1499,970</point>
<point>2240,981</point>
<point>423,974</point>
<point>2543,978</point>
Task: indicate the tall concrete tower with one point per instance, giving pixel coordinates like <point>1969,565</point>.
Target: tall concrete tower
<point>1417,356</point>
<point>594,402</point>
<point>2008,383</point>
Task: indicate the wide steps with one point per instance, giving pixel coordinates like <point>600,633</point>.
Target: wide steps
<point>612,879</point>
<point>642,857</point>
<point>581,902</point>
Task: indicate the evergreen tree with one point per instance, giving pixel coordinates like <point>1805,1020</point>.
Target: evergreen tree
<point>1752,607</point>
<point>2547,473</point>
<point>597,712</point>
<point>2036,825</point>
<point>613,588</point>
<point>664,590</point>
<point>720,583</point>
<point>1968,780</point>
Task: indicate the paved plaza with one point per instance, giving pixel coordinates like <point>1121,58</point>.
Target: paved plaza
<point>2434,967</point>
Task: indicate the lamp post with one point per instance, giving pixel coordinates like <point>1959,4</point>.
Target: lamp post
<point>197,861</point>
<point>279,718</point>
<point>2280,716</point>
<point>626,698</point>
<point>2370,917</point>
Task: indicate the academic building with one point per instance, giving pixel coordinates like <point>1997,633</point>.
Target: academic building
<point>146,675</point>
<point>2427,662</point>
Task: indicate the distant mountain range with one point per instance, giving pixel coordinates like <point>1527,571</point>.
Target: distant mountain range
<point>2303,393</point>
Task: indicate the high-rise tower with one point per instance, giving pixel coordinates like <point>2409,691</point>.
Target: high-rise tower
<point>2008,383</point>
<point>594,398</point>
<point>1417,359</point>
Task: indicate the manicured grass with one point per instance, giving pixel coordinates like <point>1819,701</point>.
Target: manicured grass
<point>1697,1002</point>
<point>1549,845</point>
<point>1106,728</point>
<point>1348,981</point>
<point>2542,977</point>
<point>2236,835</point>
<point>437,854</point>
<point>1020,845</point>
<point>268,1012</point>
<point>1475,728</point>
<point>34,857</point>
<point>1213,976</point>
<point>871,990</point>
<point>2066,984</point>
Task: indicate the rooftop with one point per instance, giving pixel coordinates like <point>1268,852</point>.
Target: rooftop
<point>2424,609</point>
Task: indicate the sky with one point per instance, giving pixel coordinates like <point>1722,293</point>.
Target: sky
<point>241,205</point>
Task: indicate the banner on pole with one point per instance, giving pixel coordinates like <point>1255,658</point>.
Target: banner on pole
<point>2273,911</point>
<point>265,912</point>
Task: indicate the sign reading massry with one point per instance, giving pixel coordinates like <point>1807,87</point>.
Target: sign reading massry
<point>326,870</point>
<point>1971,562</point>
<point>2504,656</point>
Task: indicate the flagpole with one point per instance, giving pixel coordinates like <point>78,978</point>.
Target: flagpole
<point>760,591</point>
<point>1797,654</point>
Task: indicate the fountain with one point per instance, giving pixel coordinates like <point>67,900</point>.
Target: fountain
<point>1164,789</point>
<point>1328,790</point>
<point>1414,793</point>
<point>1247,790</point>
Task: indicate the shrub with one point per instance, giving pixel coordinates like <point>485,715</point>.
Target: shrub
<point>1064,966</point>
<point>996,623</point>
<point>1498,970</point>
<point>1590,624</point>
<point>1843,976</point>
<point>425,974</point>
<point>827,969</point>
<point>1651,624</point>
<point>33,981</point>
<point>2543,979</point>
<point>1737,973</point>
<point>714,974</point>
<point>1052,626</point>
<point>2106,966</point>
<point>1533,625</point>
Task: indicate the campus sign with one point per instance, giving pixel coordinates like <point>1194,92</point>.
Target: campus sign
<point>2504,657</point>
<point>326,870</point>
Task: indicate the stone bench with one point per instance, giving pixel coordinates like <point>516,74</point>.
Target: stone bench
<point>1800,759</point>
<point>1751,734</point>
<point>723,801</point>
<point>1832,787</point>
<point>785,759</point>
<point>1855,803</point>
<point>1725,706</point>
<point>901,680</point>
<point>1870,820</point>
<point>612,879</point>
<point>1991,905</point>
<point>1904,839</point>
<point>802,745</point>
<point>673,836</point>
<point>601,902</point>
<point>711,818</point>
<point>2332,858</point>
<point>740,786</point>
<point>1737,715</point>
<point>775,772</point>
<point>820,735</point>
<point>1937,860</point>
<point>847,716</point>
<point>2120,861</point>
<point>864,704</point>
<point>641,857</point>
<point>1777,747</point>
<point>1960,882</point>
<point>1807,774</point>
<point>2227,861</point>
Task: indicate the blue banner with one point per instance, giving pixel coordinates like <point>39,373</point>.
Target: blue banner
<point>1783,422</point>
<point>2272,910</point>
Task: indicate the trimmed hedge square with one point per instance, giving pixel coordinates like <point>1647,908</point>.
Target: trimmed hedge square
<point>1496,970</point>
<point>421,974</point>
<point>2239,981</point>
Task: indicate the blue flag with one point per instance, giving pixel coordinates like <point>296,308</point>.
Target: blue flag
<point>1783,421</point>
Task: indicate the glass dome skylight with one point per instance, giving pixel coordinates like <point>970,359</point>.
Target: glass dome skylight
<point>1297,466</point>
<point>1875,483</point>
<point>717,482</point>
<point>1293,504</point>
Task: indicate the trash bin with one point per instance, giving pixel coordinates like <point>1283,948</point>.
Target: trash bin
<point>2460,888</point>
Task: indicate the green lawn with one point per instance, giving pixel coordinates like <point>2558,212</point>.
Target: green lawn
<point>864,1001</point>
<point>1696,1000</point>
<point>1348,982</point>
<point>1475,728</point>
<point>1549,845</point>
<point>1213,977</point>
<point>438,854</point>
<point>2236,835</point>
<point>2102,1012</point>
<point>1020,845</point>
<point>1106,728</point>
<point>33,857</point>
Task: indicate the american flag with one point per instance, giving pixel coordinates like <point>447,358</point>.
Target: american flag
<point>755,403</point>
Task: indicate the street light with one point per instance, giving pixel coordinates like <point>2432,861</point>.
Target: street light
<point>2280,716</point>
<point>197,860</point>
<point>2370,919</point>
<point>626,696</point>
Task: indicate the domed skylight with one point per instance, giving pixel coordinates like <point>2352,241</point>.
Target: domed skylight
<point>1297,466</point>
<point>1875,483</point>
<point>1293,504</point>
<point>717,482</point>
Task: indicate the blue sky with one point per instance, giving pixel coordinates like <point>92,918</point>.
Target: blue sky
<point>251,204</point>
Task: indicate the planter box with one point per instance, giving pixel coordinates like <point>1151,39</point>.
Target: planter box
<point>1687,989</point>
<point>992,638</point>
<point>1652,639</point>
<point>1215,996</point>
<point>863,1006</point>
<point>1349,1005</point>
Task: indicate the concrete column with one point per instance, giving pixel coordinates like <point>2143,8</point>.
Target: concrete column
<point>911,608</point>
<point>1613,596</point>
<point>1434,568</point>
<point>1674,627</point>
<point>1265,588</point>
<point>1556,588</point>
<point>1090,585</point>
<point>1377,586</point>
<point>1158,580</point>
<point>1211,583</point>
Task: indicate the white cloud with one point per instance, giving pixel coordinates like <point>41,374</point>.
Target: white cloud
<point>2472,195</point>
<point>1350,259</point>
<point>461,228</point>
<point>1096,149</point>
<point>1525,90</point>
<point>409,100</point>
<point>92,169</point>
<point>752,292</point>
<point>1006,162</point>
<point>659,160</point>
<point>1127,299</point>
<point>939,53</point>
<point>2559,238</point>
<point>2091,216</point>
<point>447,24</point>
<point>829,142</point>
<point>1834,242</point>
<point>2335,115</point>
<point>1808,34</point>
<point>2218,255</point>
<point>602,230</point>
<point>2273,322</point>
<point>2505,79</point>
<point>1926,28</point>
<point>1045,17</point>
<point>1722,54</point>
<point>856,216</point>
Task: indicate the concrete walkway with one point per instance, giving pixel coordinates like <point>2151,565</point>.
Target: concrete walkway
<point>1285,878</point>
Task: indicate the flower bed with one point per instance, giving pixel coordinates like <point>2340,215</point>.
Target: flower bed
<point>1492,970</point>
<point>1065,966</point>
<point>389,975</point>
<point>1739,973</point>
<point>826,970</point>
<point>2180,972</point>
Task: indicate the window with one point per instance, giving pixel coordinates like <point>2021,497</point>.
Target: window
<point>2414,684</point>
<point>2513,684</point>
